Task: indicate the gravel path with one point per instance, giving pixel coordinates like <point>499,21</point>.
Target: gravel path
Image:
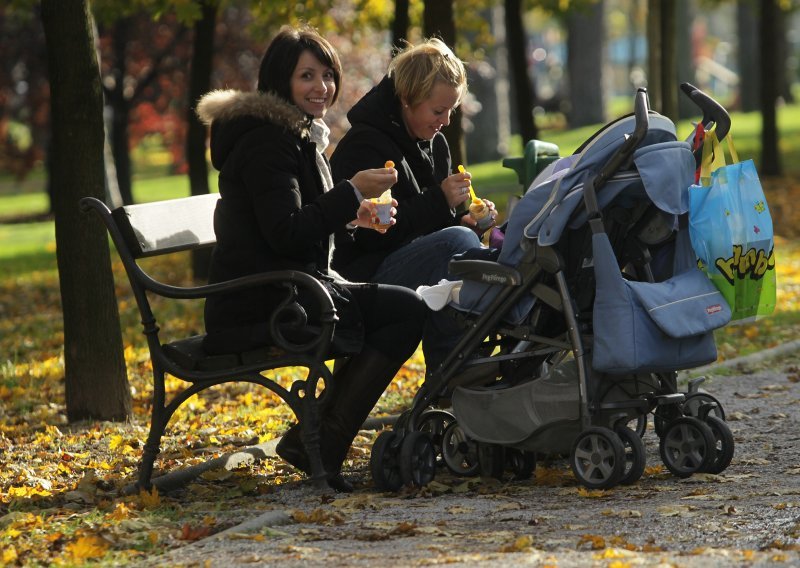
<point>747,516</point>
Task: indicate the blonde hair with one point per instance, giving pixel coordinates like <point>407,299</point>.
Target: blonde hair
<point>416,69</point>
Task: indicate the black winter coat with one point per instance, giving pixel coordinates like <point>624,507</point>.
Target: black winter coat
<point>377,135</point>
<point>273,212</point>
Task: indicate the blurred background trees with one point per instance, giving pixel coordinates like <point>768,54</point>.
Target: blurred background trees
<point>533,64</point>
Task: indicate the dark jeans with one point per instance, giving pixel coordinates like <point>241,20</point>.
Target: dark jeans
<point>423,262</point>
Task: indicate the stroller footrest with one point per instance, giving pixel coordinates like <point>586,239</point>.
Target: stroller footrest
<point>664,399</point>
<point>639,405</point>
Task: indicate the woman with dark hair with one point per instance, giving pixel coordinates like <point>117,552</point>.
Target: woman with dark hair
<point>278,210</point>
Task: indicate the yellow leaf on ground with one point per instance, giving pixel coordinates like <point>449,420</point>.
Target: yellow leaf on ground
<point>521,544</point>
<point>150,499</point>
<point>9,555</point>
<point>592,493</point>
<point>87,547</point>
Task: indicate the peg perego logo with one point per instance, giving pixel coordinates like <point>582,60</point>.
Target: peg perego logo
<point>754,262</point>
<point>493,278</point>
<point>710,310</point>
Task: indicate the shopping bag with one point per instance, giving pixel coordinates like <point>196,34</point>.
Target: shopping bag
<point>731,231</point>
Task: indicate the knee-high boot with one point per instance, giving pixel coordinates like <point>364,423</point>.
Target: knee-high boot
<point>357,387</point>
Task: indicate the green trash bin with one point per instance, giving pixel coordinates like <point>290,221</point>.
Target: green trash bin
<point>536,157</point>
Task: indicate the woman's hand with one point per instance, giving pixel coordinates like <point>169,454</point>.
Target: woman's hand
<point>366,216</point>
<point>371,183</point>
<point>456,188</point>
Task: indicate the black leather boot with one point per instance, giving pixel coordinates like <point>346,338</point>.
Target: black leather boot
<point>358,386</point>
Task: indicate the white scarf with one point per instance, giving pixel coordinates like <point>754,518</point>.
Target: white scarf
<point>319,136</point>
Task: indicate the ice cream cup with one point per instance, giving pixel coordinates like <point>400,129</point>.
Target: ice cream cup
<point>383,210</point>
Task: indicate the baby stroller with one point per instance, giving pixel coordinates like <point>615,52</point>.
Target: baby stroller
<point>575,332</point>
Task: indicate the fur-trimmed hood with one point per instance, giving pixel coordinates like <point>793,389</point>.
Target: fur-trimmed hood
<point>226,105</point>
<point>233,115</point>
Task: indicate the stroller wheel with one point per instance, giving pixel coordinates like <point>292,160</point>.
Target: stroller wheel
<point>460,454</point>
<point>384,464</point>
<point>417,459</point>
<point>687,446</point>
<point>492,460</point>
<point>598,458</point>
<point>434,423</point>
<point>723,446</point>
<point>635,458</point>
<point>521,463</point>
<point>692,405</point>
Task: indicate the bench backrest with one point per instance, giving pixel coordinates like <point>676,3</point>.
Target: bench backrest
<point>173,225</point>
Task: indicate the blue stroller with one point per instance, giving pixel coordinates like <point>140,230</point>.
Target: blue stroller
<point>574,332</point>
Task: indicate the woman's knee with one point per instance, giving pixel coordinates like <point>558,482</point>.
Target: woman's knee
<point>460,238</point>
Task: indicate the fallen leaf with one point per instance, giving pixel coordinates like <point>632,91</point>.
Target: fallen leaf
<point>87,548</point>
<point>520,544</point>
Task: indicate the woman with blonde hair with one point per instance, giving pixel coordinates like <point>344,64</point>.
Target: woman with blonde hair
<point>401,119</point>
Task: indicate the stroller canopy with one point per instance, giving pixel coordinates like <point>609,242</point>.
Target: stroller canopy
<point>662,172</point>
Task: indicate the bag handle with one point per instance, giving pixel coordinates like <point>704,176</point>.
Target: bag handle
<point>714,156</point>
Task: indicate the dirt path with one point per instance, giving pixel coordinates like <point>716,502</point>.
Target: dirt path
<point>747,516</point>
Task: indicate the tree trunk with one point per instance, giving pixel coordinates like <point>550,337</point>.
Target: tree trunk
<point>654,47</point>
<point>400,24</point>
<point>686,64</point>
<point>524,96</point>
<point>438,21</point>
<point>770,80</point>
<point>120,112</point>
<point>199,84</point>
<point>747,26</point>
<point>669,62</point>
<point>585,41</point>
<point>95,378</point>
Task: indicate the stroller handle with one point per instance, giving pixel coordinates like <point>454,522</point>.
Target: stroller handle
<point>713,112</point>
<point>641,111</point>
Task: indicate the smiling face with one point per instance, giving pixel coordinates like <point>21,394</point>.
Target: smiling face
<point>313,85</point>
<point>425,119</point>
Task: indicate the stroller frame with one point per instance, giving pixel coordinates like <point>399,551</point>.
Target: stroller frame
<point>604,450</point>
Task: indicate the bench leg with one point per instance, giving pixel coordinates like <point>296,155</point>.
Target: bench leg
<point>151,450</point>
<point>158,422</point>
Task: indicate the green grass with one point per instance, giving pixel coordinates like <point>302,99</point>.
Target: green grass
<point>27,244</point>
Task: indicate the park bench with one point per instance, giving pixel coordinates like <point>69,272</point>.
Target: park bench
<point>164,227</point>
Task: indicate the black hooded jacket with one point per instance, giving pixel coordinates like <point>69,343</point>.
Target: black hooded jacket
<point>273,212</point>
<point>378,134</point>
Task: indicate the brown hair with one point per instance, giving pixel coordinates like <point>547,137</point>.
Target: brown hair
<point>284,51</point>
<point>416,69</point>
